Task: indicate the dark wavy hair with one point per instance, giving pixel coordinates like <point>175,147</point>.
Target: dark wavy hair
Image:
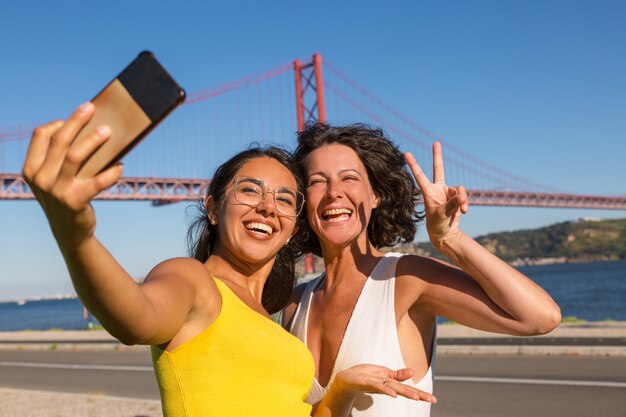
<point>201,236</point>
<point>394,220</point>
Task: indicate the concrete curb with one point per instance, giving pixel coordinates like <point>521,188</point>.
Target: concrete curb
<point>615,332</point>
<point>615,351</point>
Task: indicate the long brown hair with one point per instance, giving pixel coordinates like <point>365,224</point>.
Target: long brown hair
<point>202,234</point>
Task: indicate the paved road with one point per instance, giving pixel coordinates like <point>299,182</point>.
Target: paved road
<point>124,374</point>
<point>538,386</point>
<point>468,386</point>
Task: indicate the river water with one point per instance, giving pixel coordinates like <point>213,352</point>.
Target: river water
<point>588,291</point>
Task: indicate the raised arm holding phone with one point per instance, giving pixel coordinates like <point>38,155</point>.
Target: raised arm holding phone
<point>215,350</point>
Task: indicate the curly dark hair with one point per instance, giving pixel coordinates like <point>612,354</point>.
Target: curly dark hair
<point>394,220</point>
<point>202,234</point>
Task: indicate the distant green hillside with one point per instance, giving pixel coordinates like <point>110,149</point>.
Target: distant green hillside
<point>576,241</point>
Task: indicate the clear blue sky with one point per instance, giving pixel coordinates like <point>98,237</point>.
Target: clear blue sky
<point>534,87</point>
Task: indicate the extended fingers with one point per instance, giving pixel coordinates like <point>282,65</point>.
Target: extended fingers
<point>438,172</point>
<point>413,393</point>
<point>104,180</point>
<point>78,153</point>
<point>420,177</point>
<point>394,382</point>
<point>37,149</point>
<point>59,143</point>
<point>394,388</point>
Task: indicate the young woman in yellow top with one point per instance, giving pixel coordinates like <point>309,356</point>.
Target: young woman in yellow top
<point>215,350</point>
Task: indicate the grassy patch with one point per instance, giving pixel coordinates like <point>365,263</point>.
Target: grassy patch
<point>572,319</point>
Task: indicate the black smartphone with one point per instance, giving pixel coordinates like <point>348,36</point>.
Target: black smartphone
<point>132,105</point>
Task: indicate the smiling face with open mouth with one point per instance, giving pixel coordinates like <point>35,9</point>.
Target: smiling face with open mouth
<point>339,196</point>
<point>254,233</point>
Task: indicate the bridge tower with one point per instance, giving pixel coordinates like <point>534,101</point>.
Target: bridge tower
<point>309,107</point>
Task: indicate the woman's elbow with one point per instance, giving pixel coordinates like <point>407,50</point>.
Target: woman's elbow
<point>130,336</point>
<point>545,321</point>
<point>127,338</point>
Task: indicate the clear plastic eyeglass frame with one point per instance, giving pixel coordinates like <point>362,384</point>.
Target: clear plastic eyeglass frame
<point>251,191</point>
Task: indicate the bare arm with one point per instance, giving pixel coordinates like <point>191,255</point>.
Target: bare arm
<point>447,291</point>
<point>152,313</point>
<point>132,313</point>
<point>486,293</point>
<point>529,309</point>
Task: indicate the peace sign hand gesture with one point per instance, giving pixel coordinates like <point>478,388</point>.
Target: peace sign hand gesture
<point>443,205</point>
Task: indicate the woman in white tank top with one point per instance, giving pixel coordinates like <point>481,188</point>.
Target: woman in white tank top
<point>369,307</point>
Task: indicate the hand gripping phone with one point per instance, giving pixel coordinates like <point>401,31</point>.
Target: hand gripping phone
<point>132,105</point>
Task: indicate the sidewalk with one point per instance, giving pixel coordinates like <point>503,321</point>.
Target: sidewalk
<point>585,338</point>
<point>61,340</point>
<point>593,338</point>
<point>17,402</point>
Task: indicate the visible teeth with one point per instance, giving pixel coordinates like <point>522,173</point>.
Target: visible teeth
<point>337,211</point>
<point>261,227</point>
<point>337,215</point>
<point>337,219</point>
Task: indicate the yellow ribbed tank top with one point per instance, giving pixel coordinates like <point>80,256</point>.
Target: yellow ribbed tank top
<point>242,365</point>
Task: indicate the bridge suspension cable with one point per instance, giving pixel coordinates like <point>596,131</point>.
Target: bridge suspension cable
<point>196,138</point>
<point>495,171</point>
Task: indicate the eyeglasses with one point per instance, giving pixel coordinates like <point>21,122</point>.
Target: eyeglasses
<point>251,191</point>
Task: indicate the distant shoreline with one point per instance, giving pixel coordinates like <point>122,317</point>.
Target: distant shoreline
<point>33,298</point>
<point>559,260</point>
<point>520,262</point>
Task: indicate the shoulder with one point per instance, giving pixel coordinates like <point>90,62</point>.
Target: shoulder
<point>182,268</point>
<point>183,274</point>
<point>415,274</point>
<point>422,268</point>
<point>185,296</point>
<point>290,309</point>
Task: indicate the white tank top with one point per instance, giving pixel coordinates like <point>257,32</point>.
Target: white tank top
<point>370,337</point>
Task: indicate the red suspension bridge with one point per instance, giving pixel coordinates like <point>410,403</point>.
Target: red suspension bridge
<point>173,163</point>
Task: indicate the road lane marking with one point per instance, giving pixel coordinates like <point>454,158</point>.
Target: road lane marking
<point>437,378</point>
<point>76,366</point>
<point>610,384</point>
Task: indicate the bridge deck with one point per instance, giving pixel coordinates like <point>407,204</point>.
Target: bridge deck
<point>171,190</point>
